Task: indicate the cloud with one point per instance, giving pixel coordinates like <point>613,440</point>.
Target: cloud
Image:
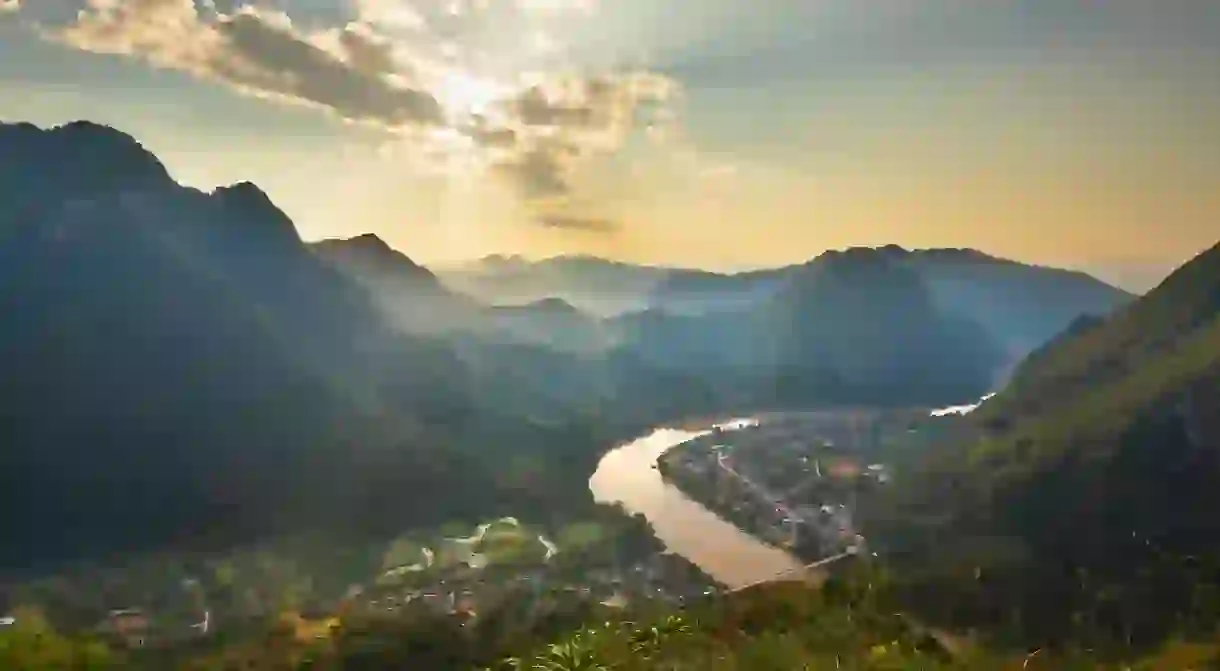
<point>350,72</point>
<point>575,223</point>
<point>534,108</point>
<point>490,136</point>
<point>539,173</point>
<point>557,6</point>
<point>562,121</point>
<point>607,104</point>
<point>391,15</point>
<point>408,67</point>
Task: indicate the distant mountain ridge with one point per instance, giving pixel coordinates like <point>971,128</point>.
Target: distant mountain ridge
<point>594,285</point>
<point>761,328</point>
<point>824,331</point>
<point>1020,305</point>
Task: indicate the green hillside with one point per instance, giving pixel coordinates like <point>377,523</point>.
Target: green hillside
<point>1084,513</point>
<point>1152,346</point>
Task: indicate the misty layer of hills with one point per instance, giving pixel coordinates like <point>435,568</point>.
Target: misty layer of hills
<point>750,325</point>
<point>1021,306</point>
<point>180,368</point>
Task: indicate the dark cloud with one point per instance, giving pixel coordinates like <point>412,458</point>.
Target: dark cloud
<point>259,52</point>
<point>534,108</point>
<point>486,135</point>
<point>366,51</point>
<point>566,119</point>
<point>280,61</point>
<point>539,173</point>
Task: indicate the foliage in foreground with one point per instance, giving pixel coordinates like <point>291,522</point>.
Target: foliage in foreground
<point>848,624</point>
<point>791,627</point>
<point>777,627</point>
<point>30,644</point>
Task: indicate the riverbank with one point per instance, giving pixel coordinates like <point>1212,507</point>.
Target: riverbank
<point>797,480</point>
<point>723,502</point>
<point>733,558</point>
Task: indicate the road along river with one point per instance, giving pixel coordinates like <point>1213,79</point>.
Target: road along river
<point>730,556</point>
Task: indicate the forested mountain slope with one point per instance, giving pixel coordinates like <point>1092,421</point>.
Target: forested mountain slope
<point>1091,494</point>
<point>180,368</point>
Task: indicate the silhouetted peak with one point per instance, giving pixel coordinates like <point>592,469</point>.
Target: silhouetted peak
<point>854,254</point>
<point>582,260</point>
<point>90,133</point>
<point>80,156</point>
<point>553,304</point>
<point>503,258</point>
<point>501,261</point>
<point>244,192</point>
<point>370,250</point>
<point>957,254</point>
<point>855,259</point>
<point>862,257</point>
<point>370,242</point>
<point>249,204</point>
<point>853,270</point>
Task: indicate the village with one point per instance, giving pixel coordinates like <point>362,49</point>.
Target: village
<point>502,565</point>
<point>790,479</point>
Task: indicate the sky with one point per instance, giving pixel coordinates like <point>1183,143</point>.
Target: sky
<point>714,133</point>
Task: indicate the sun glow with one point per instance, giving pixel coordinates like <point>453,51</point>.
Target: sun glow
<point>463,95</point>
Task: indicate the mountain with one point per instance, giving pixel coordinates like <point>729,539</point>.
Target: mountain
<point>849,327</point>
<point>181,369</point>
<point>820,332</point>
<point>876,323</point>
<point>1098,469</point>
<point>372,256</point>
<point>412,296</point>
<point>597,286</point>
<point>553,322</point>
<point>418,302</point>
<point>1021,306</point>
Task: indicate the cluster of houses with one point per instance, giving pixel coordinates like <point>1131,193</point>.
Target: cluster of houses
<point>464,594</point>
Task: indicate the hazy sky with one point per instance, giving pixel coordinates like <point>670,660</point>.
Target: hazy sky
<point>700,132</point>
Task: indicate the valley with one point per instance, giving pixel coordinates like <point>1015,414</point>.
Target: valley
<point>276,446</point>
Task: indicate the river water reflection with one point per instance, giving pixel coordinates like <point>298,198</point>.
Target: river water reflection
<point>626,475</point>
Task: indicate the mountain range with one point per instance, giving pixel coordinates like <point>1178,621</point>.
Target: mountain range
<point>1020,305</point>
<point>193,373</point>
<point>703,321</point>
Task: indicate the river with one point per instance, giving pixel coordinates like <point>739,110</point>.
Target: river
<point>730,556</point>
